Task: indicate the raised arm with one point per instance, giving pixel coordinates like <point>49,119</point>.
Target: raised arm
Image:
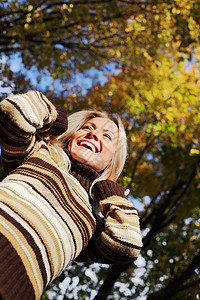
<point>119,240</point>
<point>21,116</point>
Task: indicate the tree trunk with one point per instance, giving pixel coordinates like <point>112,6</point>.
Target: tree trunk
<point>106,288</point>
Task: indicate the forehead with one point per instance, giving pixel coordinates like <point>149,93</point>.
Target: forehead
<point>103,124</point>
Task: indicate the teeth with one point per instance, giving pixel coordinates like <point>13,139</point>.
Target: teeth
<point>88,144</point>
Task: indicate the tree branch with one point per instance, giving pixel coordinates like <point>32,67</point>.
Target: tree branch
<point>174,285</point>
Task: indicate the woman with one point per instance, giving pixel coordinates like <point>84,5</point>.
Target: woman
<point>51,187</point>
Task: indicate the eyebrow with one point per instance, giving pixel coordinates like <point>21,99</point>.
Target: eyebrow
<point>104,129</point>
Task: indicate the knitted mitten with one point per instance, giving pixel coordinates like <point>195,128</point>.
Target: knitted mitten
<point>107,188</point>
<point>60,125</point>
<point>56,128</point>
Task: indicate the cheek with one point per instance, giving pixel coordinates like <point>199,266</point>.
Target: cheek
<point>69,146</point>
<point>72,145</point>
<point>109,151</point>
<point>73,140</point>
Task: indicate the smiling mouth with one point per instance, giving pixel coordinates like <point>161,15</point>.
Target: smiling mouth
<point>88,146</point>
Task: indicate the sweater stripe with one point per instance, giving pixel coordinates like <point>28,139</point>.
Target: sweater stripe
<point>43,218</point>
<point>59,224</point>
<point>15,283</point>
<point>52,178</point>
<point>35,241</point>
<point>20,223</point>
<point>26,253</point>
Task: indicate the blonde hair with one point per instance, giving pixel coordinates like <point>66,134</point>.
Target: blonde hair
<point>75,122</point>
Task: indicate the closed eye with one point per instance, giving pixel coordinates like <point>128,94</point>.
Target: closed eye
<point>108,136</point>
<point>86,127</point>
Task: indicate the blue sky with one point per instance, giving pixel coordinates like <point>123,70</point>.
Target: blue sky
<point>85,80</point>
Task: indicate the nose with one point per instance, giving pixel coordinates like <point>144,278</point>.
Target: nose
<point>92,134</point>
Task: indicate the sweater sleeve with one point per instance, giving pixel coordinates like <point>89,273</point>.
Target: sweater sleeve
<point>119,240</point>
<point>21,116</point>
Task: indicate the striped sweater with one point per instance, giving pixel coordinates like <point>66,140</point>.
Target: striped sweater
<point>45,223</point>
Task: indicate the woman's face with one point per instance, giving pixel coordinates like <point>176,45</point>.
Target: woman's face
<point>95,143</point>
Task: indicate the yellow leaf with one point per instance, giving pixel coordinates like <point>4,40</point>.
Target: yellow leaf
<point>65,6</point>
<point>118,53</point>
<point>28,20</point>
<point>30,7</point>
<point>193,238</point>
<point>194,151</point>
